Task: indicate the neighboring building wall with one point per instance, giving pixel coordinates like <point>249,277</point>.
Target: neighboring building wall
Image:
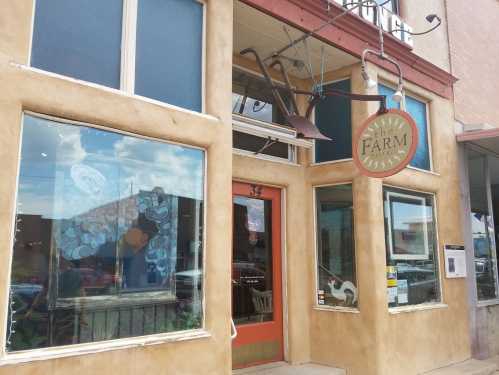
<point>474,37</point>
<point>26,89</point>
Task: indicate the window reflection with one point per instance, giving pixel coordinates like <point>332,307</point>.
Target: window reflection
<point>108,237</point>
<point>412,267</point>
<point>337,284</point>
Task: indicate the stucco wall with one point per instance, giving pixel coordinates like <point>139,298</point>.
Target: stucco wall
<point>433,46</point>
<point>25,89</point>
<point>474,56</point>
<point>376,341</point>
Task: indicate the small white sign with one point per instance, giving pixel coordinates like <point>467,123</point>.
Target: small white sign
<point>455,261</point>
<point>402,291</point>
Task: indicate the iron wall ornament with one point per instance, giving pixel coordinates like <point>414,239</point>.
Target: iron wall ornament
<point>385,143</point>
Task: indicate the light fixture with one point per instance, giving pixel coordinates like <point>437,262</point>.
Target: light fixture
<point>369,83</point>
<point>398,96</point>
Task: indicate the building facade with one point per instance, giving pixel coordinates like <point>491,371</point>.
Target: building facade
<point>159,213</point>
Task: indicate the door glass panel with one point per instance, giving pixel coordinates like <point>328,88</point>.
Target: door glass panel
<point>252,261</point>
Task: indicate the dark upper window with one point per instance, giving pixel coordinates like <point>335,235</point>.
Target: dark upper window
<point>333,118</point>
<point>167,38</point>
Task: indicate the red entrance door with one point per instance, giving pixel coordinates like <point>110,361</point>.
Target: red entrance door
<point>256,275</point>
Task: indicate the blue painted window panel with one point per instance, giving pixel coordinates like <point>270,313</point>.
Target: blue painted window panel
<point>79,39</point>
<point>333,118</point>
<point>169,52</point>
<point>417,109</point>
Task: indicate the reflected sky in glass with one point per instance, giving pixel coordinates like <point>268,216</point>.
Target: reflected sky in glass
<point>86,168</point>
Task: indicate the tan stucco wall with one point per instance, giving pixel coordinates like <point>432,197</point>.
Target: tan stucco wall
<point>23,89</point>
<point>433,46</point>
<point>375,341</point>
<point>474,55</point>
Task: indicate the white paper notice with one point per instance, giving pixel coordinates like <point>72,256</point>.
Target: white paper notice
<point>402,290</point>
<point>392,294</point>
<point>455,261</point>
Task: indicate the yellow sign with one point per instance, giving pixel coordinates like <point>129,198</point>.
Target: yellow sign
<point>385,144</point>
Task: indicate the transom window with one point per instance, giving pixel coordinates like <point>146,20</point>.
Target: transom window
<point>155,51</point>
<point>109,234</point>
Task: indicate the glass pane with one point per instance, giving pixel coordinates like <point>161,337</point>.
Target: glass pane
<point>109,237</point>
<point>251,97</point>
<point>169,52</point>
<point>248,142</point>
<point>484,260</point>
<point>252,261</point>
<point>417,110</point>
<point>333,118</point>
<point>80,39</point>
<point>337,283</point>
<point>412,266</point>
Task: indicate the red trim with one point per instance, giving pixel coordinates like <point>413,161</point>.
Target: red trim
<point>403,163</point>
<point>352,34</point>
<point>272,330</point>
<point>478,135</point>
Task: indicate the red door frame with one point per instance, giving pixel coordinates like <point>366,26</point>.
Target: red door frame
<point>273,330</point>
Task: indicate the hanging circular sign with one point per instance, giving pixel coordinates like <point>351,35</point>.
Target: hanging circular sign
<point>385,143</point>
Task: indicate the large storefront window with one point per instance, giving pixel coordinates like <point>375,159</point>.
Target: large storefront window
<point>482,229</point>
<point>108,237</point>
<point>336,277</point>
<point>411,253</point>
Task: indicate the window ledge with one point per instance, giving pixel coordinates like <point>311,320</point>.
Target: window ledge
<point>111,90</point>
<point>265,157</point>
<point>101,346</point>
<point>340,309</point>
<point>331,162</point>
<point>414,308</point>
<point>490,302</point>
<point>423,171</point>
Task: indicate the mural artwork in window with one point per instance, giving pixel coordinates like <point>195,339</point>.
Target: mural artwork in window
<point>108,238</point>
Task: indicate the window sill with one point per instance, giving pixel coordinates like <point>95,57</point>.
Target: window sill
<point>340,309</point>
<point>111,90</point>
<point>414,308</point>
<point>423,171</point>
<point>490,302</point>
<point>274,159</point>
<point>101,346</point>
<point>331,162</point>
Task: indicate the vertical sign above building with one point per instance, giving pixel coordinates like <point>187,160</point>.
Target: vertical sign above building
<point>389,22</point>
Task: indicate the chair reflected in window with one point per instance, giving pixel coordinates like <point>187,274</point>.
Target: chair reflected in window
<point>262,301</point>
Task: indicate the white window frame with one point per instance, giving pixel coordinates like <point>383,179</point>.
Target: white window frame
<point>427,305</point>
<point>46,353</point>
<point>314,160</point>
<point>128,53</point>
<point>415,198</point>
<point>316,306</point>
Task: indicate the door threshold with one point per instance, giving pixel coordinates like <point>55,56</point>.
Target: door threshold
<point>283,368</point>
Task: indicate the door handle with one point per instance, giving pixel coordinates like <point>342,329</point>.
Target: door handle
<point>233,329</point>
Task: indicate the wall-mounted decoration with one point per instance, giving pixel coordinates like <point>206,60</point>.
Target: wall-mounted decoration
<point>385,143</point>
